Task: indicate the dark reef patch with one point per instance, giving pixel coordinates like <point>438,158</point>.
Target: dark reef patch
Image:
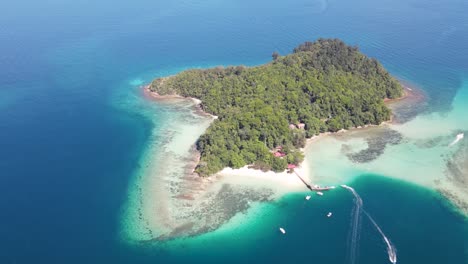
<point>376,144</point>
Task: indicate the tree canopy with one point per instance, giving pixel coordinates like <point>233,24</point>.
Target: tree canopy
<point>325,85</point>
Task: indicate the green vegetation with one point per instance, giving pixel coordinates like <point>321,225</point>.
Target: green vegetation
<point>326,85</point>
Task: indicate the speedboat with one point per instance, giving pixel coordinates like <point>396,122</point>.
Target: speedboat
<point>329,214</point>
<point>458,138</point>
<point>282,230</point>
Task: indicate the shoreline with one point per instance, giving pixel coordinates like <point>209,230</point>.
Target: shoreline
<point>282,178</point>
<point>168,99</point>
<point>407,107</point>
<point>197,196</point>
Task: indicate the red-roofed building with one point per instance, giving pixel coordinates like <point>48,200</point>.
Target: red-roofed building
<point>292,166</point>
<point>279,154</point>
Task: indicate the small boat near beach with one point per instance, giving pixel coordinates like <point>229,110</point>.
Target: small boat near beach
<point>324,188</point>
<point>320,193</point>
<point>308,197</point>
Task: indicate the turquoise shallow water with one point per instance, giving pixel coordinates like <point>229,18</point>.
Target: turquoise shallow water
<point>405,212</point>
<point>73,126</point>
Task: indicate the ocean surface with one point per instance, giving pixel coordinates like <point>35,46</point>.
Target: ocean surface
<point>75,129</point>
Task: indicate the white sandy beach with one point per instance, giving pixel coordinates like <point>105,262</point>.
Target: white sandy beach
<point>283,181</point>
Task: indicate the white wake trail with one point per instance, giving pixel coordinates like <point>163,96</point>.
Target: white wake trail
<point>457,139</point>
<point>391,250</point>
<point>356,215</point>
<point>355,229</point>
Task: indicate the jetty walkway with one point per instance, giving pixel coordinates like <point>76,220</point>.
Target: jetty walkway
<point>313,188</point>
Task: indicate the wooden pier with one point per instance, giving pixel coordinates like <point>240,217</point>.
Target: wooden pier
<point>313,188</point>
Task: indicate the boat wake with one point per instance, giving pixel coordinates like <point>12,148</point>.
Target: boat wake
<point>457,139</point>
<point>391,250</point>
<point>356,215</point>
<point>355,231</point>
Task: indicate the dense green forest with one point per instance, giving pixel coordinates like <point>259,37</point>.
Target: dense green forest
<point>325,85</point>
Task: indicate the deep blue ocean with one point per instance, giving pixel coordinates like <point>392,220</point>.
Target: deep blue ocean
<point>67,152</point>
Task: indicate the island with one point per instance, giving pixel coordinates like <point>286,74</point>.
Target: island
<point>265,113</point>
